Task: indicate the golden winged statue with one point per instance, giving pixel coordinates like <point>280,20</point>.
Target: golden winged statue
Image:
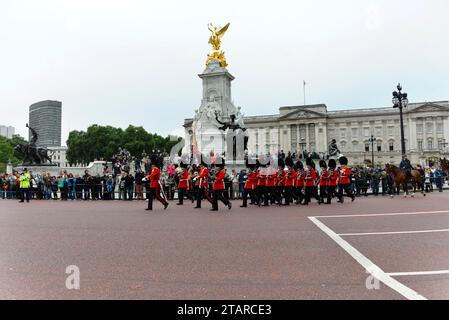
<point>215,41</point>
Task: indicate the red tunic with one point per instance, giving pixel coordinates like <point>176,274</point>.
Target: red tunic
<point>290,178</point>
<point>271,177</point>
<point>261,178</point>
<point>324,178</point>
<point>345,174</point>
<point>310,177</point>
<point>251,181</point>
<point>300,179</point>
<point>203,178</point>
<point>219,181</point>
<point>154,177</point>
<point>184,180</point>
<point>332,177</point>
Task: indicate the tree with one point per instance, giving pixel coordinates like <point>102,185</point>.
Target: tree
<point>102,142</point>
<point>7,151</point>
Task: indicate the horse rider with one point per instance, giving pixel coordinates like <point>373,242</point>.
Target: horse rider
<point>406,166</point>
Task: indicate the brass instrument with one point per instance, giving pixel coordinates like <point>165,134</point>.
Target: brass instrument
<point>331,174</point>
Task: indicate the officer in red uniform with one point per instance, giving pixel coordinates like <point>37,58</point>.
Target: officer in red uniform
<point>155,189</point>
<point>290,181</point>
<point>270,182</point>
<point>261,186</point>
<point>184,185</point>
<point>219,186</point>
<point>250,185</point>
<point>300,176</point>
<point>309,181</point>
<point>332,180</point>
<point>345,180</point>
<point>323,180</point>
<point>203,186</point>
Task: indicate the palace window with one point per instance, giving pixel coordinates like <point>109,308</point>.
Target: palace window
<point>366,147</point>
<point>342,133</point>
<point>354,132</point>
<point>420,146</point>
<point>429,127</point>
<point>379,131</point>
<point>440,128</point>
<point>419,128</point>
<point>391,131</point>
<point>379,147</point>
<point>430,144</point>
<point>354,147</point>
<point>391,146</point>
<point>366,132</point>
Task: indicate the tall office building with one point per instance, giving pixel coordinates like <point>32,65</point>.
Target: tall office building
<point>46,119</point>
<point>7,132</point>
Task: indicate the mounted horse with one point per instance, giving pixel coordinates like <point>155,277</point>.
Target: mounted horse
<point>402,179</point>
<point>33,155</point>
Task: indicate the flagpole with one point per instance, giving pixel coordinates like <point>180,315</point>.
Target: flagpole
<point>304,91</point>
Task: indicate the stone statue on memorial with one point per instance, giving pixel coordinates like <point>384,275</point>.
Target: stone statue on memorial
<point>333,151</point>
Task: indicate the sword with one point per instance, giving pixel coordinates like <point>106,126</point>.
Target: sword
<point>162,190</point>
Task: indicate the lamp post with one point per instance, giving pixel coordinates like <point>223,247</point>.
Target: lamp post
<point>400,100</point>
<point>372,139</point>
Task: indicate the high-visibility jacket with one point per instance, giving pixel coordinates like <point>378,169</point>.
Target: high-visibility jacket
<point>25,180</point>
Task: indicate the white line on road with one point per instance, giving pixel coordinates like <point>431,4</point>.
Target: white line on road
<point>381,214</point>
<point>368,264</point>
<point>422,273</point>
<point>387,233</point>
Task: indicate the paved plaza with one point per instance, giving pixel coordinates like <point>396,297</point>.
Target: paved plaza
<point>315,252</point>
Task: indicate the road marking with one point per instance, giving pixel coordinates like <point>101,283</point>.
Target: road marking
<point>423,273</point>
<point>381,214</point>
<point>376,272</point>
<point>387,233</point>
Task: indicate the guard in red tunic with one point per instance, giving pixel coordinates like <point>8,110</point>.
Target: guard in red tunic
<point>261,187</point>
<point>332,180</point>
<point>203,186</point>
<point>345,180</point>
<point>250,185</point>
<point>290,181</point>
<point>155,189</point>
<point>184,185</point>
<point>323,180</point>
<point>270,183</point>
<point>219,187</point>
<point>309,181</point>
<point>300,182</point>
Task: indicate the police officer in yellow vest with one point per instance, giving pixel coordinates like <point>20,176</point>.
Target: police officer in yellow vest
<point>25,182</point>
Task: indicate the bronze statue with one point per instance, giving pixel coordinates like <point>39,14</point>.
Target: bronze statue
<point>30,153</point>
<point>233,125</point>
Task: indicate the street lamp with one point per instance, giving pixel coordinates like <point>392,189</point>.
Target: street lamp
<point>372,139</point>
<point>400,100</point>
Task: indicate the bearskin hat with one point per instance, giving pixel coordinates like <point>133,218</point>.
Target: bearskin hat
<point>299,166</point>
<point>289,162</point>
<point>157,161</point>
<point>309,162</point>
<point>281,163</point>
<point>343,161</point>
<point>332,163</point>
<point>323,164</point>
<point>183,165</point>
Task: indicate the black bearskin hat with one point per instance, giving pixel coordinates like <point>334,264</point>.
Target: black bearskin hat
<point>289,162</point>
<point>183,165</point>
<point>309,162</point>
<point>281,163</point>
<point>157,161</point>
<point>332,163</point>
<point>323,164</point>
<point>343,161</point>
<point>299,166</point>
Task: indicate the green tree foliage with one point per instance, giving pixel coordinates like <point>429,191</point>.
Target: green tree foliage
<point>7,152</point>
<point>102,142</point>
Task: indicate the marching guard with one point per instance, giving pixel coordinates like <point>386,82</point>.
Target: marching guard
<point>345,180</point>
<point>203,186</point>
<point>155,187</point>
<point>184,185</point>
<point>250,186</point>
<point>323,181</point>
<point>310,177</point>
<point>332,180</point>
<point>219,187</point>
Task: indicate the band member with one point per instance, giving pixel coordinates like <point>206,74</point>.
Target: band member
<point>261,188</point>
<point>250,185</point>
<point>155,189</point>
<point>184,185</point>
<point>332,174</point>
<point>290,180</point>
<point>323,180</point>
<point>300,182</point>
<point>203,186</point>
<point>219,187</point>
<point>345,180</point>
<point>310,177</point>
<point>270,183</point>
<point>280,181</point>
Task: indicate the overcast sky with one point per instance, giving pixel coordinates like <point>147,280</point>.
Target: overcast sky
<point>136,61</point>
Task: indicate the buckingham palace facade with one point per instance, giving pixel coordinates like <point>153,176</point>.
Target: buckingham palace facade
<point>310,128</point>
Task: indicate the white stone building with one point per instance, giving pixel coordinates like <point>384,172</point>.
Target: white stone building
<point>312,127</point>
<point>59,156</point>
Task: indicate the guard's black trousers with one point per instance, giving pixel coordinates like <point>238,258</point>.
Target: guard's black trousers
<point>25,194</point>
<point>218,195</point>
<point>202,194</point>
<point>330,193</point>
<point>323,193</point>
<point>344,188</point>
<point>182,192</point>
<point>246,193</point>
<point>155,193</point>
